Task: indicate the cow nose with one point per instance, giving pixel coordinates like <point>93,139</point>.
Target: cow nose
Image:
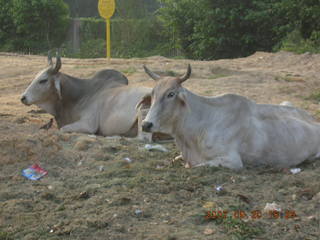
<point>146,126</point>
<point>23,99</point>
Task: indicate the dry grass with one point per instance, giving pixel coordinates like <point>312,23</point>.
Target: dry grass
<point>79,201</point>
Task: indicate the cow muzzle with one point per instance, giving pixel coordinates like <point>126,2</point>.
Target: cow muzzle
<point>147,126</point>
<point>24,100</point>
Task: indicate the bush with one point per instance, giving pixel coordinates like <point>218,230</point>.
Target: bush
<point>294,42</point>
<point>129,38</point>
<point>207,29</point>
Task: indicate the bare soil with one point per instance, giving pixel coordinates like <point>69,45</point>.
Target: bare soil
<point>92,192</point>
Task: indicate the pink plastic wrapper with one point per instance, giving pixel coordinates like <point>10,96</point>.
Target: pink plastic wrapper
<point>35,172</point>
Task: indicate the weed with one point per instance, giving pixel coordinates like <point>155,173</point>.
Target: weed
<point>240,229</point>
<point>315,96</point>
<point>5,236</point>
<point>129,70</point>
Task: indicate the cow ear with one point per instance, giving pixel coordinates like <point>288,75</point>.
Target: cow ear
<point>182,96</point>
<point>145,101</point>
<point>57,85</point>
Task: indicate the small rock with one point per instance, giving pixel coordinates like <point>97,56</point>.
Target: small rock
<point>311,218</point>
<point>92,136</point>
<point>208,231</point>
<point>84,195</point>
<point>159,167</point>
<point>101,168</point>
<point>294,197</point>
<point>316,197</point>
<point>306,194</point>
<point>83,143</point>
<point>233,180</point>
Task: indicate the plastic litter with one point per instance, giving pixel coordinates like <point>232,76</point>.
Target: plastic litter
<point>220,190</point>
<point>35,172</point>
<point>157,147</point>
<point>128,160</point>
<point>295,170</point>
<point>138,212</point>
<point>272,207</point>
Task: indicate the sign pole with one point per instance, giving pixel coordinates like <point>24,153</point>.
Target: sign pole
<point>108,44</point>
<point>106,9</point>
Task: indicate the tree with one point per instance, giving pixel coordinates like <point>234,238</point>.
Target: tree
<point>7,25</point>
<point>222,29</point>
<point>34,25</point>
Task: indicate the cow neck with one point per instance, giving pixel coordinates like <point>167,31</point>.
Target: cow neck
<point>195,112</point>
<point>72,91</point>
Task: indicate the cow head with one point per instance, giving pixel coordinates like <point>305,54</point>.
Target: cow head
<point>168,99</point>
<point>45,85</point>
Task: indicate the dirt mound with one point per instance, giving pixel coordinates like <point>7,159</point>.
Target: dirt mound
<point>113,188</point>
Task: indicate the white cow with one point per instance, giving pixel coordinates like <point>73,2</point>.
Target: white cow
<point>103,105</point>
<point>230,130</point>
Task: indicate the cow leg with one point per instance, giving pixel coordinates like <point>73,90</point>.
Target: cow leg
<point>80,127</point>
<point>232,161</point>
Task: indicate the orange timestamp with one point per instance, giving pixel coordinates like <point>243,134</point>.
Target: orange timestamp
<point>255,214</point>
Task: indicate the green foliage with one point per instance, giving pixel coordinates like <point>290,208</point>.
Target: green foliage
<point>129,38</point>
<point>294,42</point>
<point>202,29</point>
<point>33,25</point>
<point>240,229</point>
<point>221,29</point>
<point>124,8</point>
<point>207,29</point>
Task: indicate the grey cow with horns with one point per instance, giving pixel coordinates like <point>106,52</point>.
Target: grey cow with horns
<point>103,105</point>
<point>230,130</point>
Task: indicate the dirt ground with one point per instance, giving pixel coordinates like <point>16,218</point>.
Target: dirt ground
<point>92,192</point>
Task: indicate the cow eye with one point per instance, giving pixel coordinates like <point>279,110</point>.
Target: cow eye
<point>171,94</point>
<point>43,81</point>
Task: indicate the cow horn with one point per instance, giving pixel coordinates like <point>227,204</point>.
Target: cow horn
<point>186,75</point>
<point>154,76</point>
<point>58,64</point>
<point>49,58</point>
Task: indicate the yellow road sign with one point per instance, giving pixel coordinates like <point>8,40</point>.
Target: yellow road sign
<point>106,8</point>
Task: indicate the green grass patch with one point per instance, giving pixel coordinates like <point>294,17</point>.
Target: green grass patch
<point>289,78</point>
<point>315,96</point>
<point>5,236</point>
<point>240,229</point>
<point>129,70</point>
